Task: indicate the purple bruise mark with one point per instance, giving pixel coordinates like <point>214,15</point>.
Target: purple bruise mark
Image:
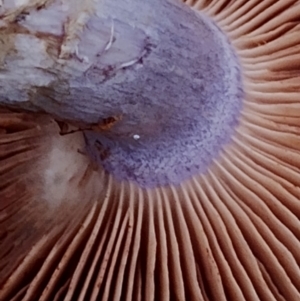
<point>188,126</point>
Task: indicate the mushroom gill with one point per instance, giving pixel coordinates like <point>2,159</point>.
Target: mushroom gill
<point>70,230</point>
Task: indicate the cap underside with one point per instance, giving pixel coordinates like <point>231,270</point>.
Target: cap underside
<point>69,231</point>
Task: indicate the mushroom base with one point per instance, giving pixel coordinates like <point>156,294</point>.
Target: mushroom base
<point>186,135</point>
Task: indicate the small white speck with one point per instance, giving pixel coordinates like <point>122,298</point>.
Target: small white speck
<point>128,64</point>
<point>136,137</point>
<point>111,39</point>
<point>82,58</point>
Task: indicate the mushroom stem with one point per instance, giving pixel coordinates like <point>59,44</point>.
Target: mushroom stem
<point>154,77</point>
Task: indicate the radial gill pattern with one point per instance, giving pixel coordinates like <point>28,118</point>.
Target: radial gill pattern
<point>68,232</point>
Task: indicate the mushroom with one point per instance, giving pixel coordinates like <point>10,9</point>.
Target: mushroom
<point>154,201</point>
